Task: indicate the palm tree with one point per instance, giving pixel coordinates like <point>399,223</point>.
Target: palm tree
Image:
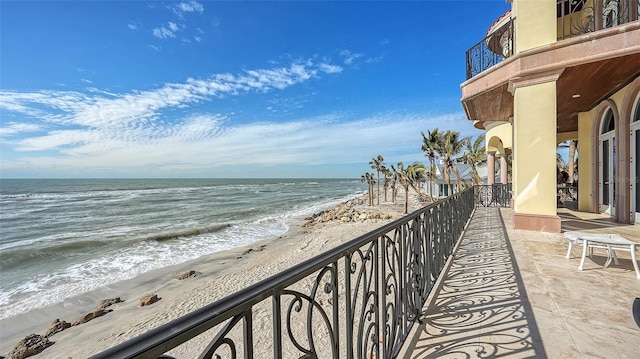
<point>561,173</point>
<point>409,177</point>
<point>430,144</point>
<point>416,173</point>
<point>570,166</point>
<point>386,181</point>
<point>474,154</point>
<point>367,178</point>
<point>376,164</point>
<point>403,177</point>
<point>573,147</point>
<point>372,182</point>
<point>394,179</point>
<point>448,148</point>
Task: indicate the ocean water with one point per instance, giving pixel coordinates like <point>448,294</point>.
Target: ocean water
<point>64,237</point>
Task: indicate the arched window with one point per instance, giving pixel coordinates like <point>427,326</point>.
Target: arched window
<point>608,124</point>
<point>637,110</point>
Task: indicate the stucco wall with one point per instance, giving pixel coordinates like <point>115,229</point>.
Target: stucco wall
<point>535,23</point>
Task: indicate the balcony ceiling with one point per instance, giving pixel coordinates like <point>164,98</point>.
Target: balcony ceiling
<point>593,66</point>
<point>594,82</point>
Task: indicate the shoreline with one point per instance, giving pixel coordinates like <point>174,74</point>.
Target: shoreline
<point>221,274</point>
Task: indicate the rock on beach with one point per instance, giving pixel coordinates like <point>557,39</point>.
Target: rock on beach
<point>105,303</point>
<point>346,212</point>
<point>148,299</point>
<point>91,316</point>
<point>32,344</point>
<point>56,327</point>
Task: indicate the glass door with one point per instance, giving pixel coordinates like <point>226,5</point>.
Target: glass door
<point>608,164</point>
<point>635,163</point>
<point>635,196</point>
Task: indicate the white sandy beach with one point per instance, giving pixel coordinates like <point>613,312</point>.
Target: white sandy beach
<point>222,274</point>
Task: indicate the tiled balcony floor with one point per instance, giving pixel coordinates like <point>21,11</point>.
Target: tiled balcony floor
<point>513,294</point>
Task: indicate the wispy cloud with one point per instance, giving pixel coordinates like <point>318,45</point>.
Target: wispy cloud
<point>206,144</point>
<point>134,25</point>
<point>166,32</point>
<point>330,69</point>
<point>373,60</point>
<point>191,6</point>
<point>106,133</point>
<point>13,128</point>
<point>349,57</point>
<point>170,29</point>
<point>143,108</point>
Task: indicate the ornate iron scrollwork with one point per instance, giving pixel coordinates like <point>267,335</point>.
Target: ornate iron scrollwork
<point>577,17</point>
<point>488,52</point>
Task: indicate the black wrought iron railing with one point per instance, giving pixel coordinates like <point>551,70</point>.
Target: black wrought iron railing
<point>577,17</point>
<point>358,300</point>
<point>495,47</point>
<point>494,195</point>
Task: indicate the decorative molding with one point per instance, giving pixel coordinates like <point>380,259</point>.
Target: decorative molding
<point>533,79</point>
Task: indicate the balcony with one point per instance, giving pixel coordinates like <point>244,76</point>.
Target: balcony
<point>494,48</point>
<point>592,66</point>
<point>575,18</point>
<point>512,294</point>
<point>448,279</point>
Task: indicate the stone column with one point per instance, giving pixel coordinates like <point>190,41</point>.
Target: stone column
<point>491,168</point>
<point>504,178</point>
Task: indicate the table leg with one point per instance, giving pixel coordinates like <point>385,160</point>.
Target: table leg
<point>585,245</point>
<point>606,264</point>
<point>611,255</point>
<point>615,258</point>
<point>634,260</point>
<point>569,250</point>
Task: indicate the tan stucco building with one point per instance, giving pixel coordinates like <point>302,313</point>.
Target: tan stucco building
<point>552,71</point>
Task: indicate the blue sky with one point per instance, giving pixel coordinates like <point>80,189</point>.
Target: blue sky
<point>229,89</point>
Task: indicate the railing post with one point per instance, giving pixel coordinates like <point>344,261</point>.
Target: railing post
<point>379,291</point>
<point>336,305</point>
<point>277,325</point>
<point>348,312</point>
<point>597,15</point>
<point>248,334</point>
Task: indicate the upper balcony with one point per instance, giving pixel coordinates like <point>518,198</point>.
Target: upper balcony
<point>597,53</point>
<point>574,18</point>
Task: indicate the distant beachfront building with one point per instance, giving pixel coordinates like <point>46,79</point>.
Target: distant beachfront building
<point>440,188</point>
<point>551,71</point>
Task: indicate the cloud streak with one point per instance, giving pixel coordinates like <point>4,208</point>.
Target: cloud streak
<point>101,133</point>
<point>97,110</point>
<point>205,144</point>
